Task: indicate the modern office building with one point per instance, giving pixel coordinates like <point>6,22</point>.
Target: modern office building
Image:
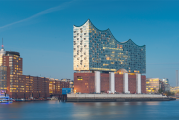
<point>104,64</point>
<point>156,85</point>
<point>17,85</point>
<point>2,53</point>
<point>152,85</point>
<point>3,78</point>
<point>4,72</point>
<point>98,50</point>
<point>165,86</point>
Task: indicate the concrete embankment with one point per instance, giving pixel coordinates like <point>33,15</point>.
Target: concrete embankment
<point>115,97</point>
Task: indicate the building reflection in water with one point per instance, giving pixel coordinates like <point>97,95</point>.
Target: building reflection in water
<point>84,110</point>
<point>119,109</point>
<point>152,103</point>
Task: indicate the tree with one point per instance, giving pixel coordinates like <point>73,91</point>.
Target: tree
<point>160,91</point>
<point>168,93</point>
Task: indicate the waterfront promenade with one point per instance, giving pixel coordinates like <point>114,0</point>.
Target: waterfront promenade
<point>116,97</point>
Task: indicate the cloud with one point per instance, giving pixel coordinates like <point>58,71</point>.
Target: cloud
<point>50,10</point>
<point>162,63</point>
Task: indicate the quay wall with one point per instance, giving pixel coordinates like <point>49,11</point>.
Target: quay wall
<point>115,97</point>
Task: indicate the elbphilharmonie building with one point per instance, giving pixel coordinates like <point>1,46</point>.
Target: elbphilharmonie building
<point>98,50</point>
<point>104,64</point>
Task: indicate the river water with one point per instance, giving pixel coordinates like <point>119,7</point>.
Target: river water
<point>54,110</point>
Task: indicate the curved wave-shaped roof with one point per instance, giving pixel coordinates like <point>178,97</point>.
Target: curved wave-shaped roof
<point>110,33</point>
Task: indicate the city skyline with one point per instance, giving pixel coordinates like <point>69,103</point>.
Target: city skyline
<point>40,33</point>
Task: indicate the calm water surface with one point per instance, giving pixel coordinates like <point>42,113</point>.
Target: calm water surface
<point>54,110</point>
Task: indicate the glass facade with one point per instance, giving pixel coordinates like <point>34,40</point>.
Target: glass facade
<point>98,50</point>
<point>3,77</point>
<point>152,85</point>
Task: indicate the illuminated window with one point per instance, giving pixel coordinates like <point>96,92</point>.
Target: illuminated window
<point>108,58</point>
<point>79,78</point>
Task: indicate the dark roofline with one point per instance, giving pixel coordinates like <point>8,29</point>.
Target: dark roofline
<point>12,53</point>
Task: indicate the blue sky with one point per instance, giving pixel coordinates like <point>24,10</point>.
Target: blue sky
<point>42,31</point>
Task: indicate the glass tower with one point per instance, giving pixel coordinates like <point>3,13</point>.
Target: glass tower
<point>98,50</point>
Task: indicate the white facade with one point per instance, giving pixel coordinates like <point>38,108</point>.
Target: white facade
<point>125,83</point>
<point>138,83</point>
<point>112,82</point>
<point>97,82</point>
<point>2,52</point>
<point>98,50</point>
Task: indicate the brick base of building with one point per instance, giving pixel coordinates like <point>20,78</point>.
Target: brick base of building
<point>85,83</point>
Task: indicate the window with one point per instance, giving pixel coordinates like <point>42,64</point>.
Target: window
<point>121,46</point>
<point>79,78</point>
<point>74,36</point>
<point>84,38</point>
<point>84,33</point>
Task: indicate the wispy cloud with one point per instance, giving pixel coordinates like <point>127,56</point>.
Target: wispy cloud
<point>162,63</point>
<point>60,7</point>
